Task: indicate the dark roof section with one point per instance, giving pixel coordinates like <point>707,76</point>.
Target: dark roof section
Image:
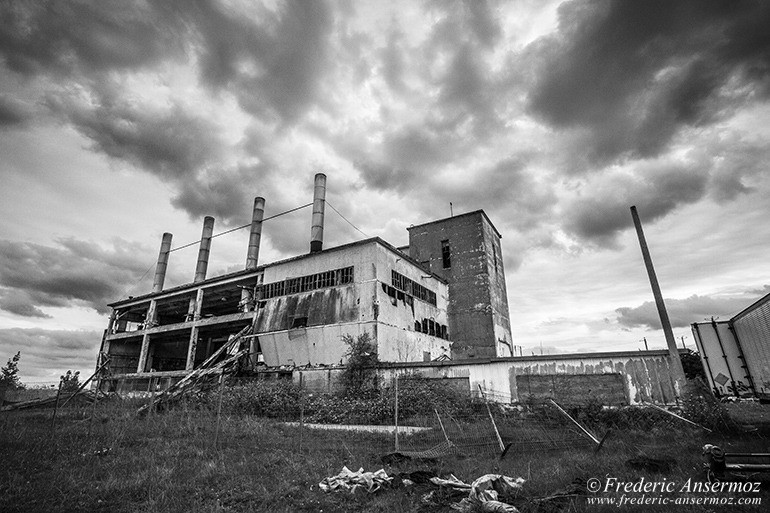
<point>261,268</point>
<point>459,215</point>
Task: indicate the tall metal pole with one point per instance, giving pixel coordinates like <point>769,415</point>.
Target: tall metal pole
<point>676,363</point>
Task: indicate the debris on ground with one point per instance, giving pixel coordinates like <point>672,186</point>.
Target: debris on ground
<point>721,465</point>
<point>662,465</point>
<point>350,481</point>
<point>484,493</point>
<point>416,477</point>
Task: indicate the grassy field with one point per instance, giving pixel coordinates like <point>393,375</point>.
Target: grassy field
<point>168,462</point>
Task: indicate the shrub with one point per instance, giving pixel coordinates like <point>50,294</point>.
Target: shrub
<point>275,399</point>
<point>9,375</point>
<point>359,378</point>
<point>70,382</point>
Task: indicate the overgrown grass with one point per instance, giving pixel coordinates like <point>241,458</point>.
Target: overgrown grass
<point>168,462</point>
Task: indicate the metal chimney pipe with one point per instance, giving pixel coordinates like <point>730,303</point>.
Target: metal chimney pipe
<point>256,233</point>
<point>160,268</point>
<point>319,202</point>
<point>205,249</point>
<point>676,362</point>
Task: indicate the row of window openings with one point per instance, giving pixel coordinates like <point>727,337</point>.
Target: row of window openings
<point>412,288</point>
<point>430,327</point>
<point>325,279</point>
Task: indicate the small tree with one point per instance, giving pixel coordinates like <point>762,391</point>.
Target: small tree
<point>692,366</point>
<point>70,382</point>
<point>9,377</point>
<point>359,378</point>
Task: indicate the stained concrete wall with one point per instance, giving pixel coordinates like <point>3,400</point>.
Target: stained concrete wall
<point>646,375</point>
<point>478,305</point>
<point>351,309</point>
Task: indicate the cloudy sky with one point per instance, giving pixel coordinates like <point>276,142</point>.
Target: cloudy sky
<point>120,120</point>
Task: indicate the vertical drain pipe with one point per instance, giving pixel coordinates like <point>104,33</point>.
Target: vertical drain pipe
<point>319,203</point>
<point>204,250</point>
<point>252,256</point>
<point>160,268</point>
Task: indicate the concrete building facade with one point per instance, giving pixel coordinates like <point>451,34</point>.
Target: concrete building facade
<point>465,250</point>
<point>300,308</point>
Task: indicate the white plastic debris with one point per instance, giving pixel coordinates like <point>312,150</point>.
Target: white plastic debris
<point>350,481</point>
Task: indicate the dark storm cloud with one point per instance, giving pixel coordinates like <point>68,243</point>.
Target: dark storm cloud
<point>89,36</point>
<point>220,194</point>
<point>272,62</point>
<point>12,112</point>
<point>70,274</point>
<point>634,73</point>
<point>45,354</point>
<point>21,303</point>
<point>682,312</point>
<point>169,142</point>
<point>601,211</point>
<point>274,67</point>
<point>507,190</point>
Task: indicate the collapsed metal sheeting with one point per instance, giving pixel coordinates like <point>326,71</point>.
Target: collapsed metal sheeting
<point>204,376</point>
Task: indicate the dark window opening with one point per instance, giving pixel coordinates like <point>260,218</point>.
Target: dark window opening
<point>494,256</point>
<point>299,322</point>
<point>445,256</point>
<point>417,326</point>
<point>307,283</point>
<point>412,288</point>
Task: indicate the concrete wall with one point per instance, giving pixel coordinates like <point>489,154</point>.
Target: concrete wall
<point>351,309</point>
<point>478,308</point>
<point>646,376</point>
<point>497,290</point>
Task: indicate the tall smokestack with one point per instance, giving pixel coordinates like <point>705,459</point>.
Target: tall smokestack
<point>160,268</point>
<point>205,249</point>
<point>256,233</point>
<point>319,202</point>
<point>676,362</point>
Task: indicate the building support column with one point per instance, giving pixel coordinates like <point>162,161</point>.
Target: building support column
<point>149,320</point>
<point>193,344</point>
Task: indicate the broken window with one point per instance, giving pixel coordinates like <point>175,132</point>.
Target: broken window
<point>299,322</point>
<point>445,256</point>
<point>307,283</point>
<point>410,287</point>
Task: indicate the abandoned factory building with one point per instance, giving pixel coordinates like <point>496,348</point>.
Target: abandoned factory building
<point>443,296</point>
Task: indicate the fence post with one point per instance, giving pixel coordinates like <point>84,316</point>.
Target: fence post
<point>301,410</point>
<point>395,415</point>
<point>56,407</point>
<point>219,406</point>
<point>93,408</point>
<point>153,384</point>
<point>494,425</point>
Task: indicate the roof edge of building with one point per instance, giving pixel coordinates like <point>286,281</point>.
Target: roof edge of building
<point>479,211</point>
<point>261,268</point>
